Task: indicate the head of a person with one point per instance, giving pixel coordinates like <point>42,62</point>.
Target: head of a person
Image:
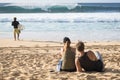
<point>15,18</point>
<point>66,39</point>
<point>80,46</point>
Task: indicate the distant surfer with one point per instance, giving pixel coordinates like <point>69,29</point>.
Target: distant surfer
<point>15,24</point>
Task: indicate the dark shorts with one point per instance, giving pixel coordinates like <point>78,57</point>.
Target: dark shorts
<point>68,70</point>
<point>98,66</point>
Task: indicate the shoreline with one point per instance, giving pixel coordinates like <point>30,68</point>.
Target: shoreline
<point>42,37</point>
<point>32,43</point>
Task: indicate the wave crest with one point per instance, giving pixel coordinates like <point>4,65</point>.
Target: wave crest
<point>53,8</point>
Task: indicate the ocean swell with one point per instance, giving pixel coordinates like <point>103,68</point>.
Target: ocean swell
<point>62,8</point>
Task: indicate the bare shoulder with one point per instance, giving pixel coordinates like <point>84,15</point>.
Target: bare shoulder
<point>90,52</point>
<point>91,55</point>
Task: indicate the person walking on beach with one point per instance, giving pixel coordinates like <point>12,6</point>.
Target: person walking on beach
<point>67,62</point>
<point>15,24</point>
<point>87,61</point>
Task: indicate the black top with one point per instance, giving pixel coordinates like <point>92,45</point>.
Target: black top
<point>89,65</point>
<point>15,24</point>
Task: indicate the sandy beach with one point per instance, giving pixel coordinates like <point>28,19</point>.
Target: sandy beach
<point>37,60</point>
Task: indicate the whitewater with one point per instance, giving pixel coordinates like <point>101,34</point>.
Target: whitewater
<point>62,17</point>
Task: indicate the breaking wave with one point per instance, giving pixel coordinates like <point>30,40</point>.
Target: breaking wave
<point>59,8</point>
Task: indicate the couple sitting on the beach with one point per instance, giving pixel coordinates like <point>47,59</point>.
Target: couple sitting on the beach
<point>75,59</point>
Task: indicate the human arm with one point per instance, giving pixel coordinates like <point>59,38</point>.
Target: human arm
<point>95,56</point>
<point>91,56</point>
<point>77,64</point>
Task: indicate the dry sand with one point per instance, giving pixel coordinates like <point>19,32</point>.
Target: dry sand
<point>36,60</point>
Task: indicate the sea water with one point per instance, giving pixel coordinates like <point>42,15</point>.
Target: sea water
<point>53,26</point>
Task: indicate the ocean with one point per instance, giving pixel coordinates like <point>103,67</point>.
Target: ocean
<point>81,21</point>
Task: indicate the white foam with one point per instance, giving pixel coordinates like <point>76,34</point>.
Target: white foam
<point>62,17</point>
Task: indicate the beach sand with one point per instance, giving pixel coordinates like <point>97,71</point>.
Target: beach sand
<point>37,60</point>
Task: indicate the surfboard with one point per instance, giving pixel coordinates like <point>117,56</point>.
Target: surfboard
<point>21,27</point>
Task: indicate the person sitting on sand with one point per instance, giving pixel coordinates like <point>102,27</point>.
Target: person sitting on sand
<point>87,61</point>
<point>67,62</point>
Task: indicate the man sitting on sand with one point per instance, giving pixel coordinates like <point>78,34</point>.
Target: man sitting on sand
<point>67,63</point>
<point>15,23</point>
<point>87,61</point>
